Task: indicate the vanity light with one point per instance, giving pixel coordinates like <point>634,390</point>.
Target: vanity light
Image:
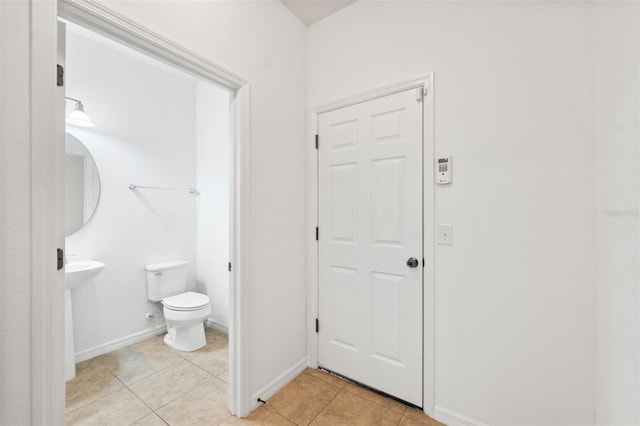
<point>78,117</point>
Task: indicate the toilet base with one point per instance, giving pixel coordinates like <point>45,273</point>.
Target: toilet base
<point>187,339</point>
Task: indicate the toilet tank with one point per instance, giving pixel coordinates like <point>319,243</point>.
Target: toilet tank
<point>166,279</point>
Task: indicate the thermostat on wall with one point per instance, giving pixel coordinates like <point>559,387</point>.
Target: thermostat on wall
<point>444,169</point>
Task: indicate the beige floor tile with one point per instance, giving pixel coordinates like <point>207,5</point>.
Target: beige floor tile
<point>88,385</point>
<point>171,383</point>
<point>326,377</point>
<point>408,421</point>
<point>203,405</point>
<point>224,376</point>
<point>150,420</point>
<point>90,364</point>
<point>260,416</point>
<point>211,358</point>
<point>152,343</point>
<point>420,417</point>
<point>216,337</point>
<point>376,398</point>
<point>302,400</point>
<point>117,408</point>
<point>138,361</point>
<point>350,409</point>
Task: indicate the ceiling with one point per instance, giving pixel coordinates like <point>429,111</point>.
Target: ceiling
<point>310,11</point>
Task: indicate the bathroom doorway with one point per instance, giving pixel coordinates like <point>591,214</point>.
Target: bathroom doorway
<point>167,192</point>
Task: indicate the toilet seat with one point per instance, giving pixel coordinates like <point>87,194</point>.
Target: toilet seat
<point>189,301</point>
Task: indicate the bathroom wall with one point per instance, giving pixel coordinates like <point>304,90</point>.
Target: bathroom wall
<point>213,177</point>
<point>145,134</point>
<point>515,293</point>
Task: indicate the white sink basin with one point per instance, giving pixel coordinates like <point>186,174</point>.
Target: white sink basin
<point>78,271</point>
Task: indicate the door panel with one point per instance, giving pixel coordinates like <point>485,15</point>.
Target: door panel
<point>370,220</point>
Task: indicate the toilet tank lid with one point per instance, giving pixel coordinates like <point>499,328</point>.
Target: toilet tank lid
<point>166,265</point>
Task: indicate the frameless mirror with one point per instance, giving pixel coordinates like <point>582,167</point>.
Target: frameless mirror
<point>82,185</point>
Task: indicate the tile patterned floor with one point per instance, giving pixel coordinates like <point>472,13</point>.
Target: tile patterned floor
<point>151,384</point>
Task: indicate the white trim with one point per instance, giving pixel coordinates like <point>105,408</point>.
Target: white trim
<point>241,229</point>
<point>452,418</point>
<point>47,234</point>
<point>279,382</point>
<point>217,325</point>
<point>96,17</point>
<point>373,94</point>
<point>119,343</point>
<point>312,244</point>
<point>428,250</point>
<point>638,266</point>
<point>425,81</point>
<point>1,231</point>
<point>100,19</point>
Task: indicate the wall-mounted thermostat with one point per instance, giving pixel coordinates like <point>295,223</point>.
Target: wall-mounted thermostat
<point>444,168</point>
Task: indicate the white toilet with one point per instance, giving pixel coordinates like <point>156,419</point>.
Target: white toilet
<point>184,311</point>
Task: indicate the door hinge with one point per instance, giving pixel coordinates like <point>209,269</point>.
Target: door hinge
<point>317,233</point>
<point>59,76</point>
<point>423,264</point>
<point>317,325</point>
<point>421,93</point>
<point>229,266</point>
<point>60,258</point>
<point>317,141</point>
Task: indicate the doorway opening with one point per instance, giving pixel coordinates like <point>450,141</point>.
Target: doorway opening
<point>183,195</point>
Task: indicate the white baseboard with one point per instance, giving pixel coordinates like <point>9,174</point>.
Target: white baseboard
<point>451,418</point>
<point>119,343</point>
<point>278,383</point>
<point>217,325</point>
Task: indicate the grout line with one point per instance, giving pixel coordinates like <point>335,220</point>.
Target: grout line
<point>375,402</point>
<point>344,381</point>
<point>134,394</point>
<point>93,400</point>
<point>319,412</point>
<point>360,386</point>
<point>182,394</point>
<point>326,405</point>
<point>206,371</point>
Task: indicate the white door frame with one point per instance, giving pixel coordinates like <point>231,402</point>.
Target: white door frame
<point>425,81</point>
<point>47,325</point>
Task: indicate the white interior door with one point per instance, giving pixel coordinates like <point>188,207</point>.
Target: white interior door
<point>370,227</point>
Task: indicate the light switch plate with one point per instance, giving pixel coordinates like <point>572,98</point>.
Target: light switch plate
<point>445,234</point>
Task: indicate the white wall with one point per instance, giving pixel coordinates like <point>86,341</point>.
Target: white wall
<point>617,92</point>
<point>262,42</point>
<point>514,295</point>
<point>15,210</point>
<point>145,134</point>
<point>213,177</point>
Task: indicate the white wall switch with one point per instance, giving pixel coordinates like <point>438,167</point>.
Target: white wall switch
<point>445,234</point>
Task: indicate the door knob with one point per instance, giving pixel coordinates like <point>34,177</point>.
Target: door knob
<point>412,262</point>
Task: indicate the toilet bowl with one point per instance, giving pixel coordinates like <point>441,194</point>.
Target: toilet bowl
<point>184,311</point>
<point>184,314</point>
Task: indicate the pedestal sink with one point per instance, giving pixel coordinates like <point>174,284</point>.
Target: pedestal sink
<point>76,273</point>
<point>79,271</point>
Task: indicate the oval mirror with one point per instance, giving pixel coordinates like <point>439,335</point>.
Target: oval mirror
<point>82,185</point>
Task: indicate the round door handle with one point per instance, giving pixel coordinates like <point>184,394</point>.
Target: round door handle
<point>412,262</point>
